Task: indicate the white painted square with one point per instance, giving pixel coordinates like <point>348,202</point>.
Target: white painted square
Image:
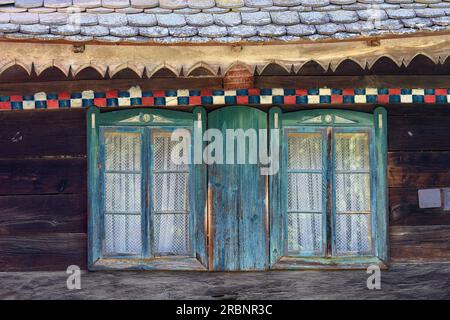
<point>418,92</point>
<point>28,104</point>
<point>76,103</point>
<point>371,91</point>
<point>360,98</point>
<point>218,99</point>
<point>171,101</point>
<point>406,98</point>
<point>313,99</point>
<point>265,99</point>
<point>325,92</point>
<point>430,198</point>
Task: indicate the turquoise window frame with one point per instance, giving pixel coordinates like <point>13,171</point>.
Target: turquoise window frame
<point>341,121</point>
<point>142,121</point>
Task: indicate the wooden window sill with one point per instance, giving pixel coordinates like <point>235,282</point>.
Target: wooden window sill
<point>339,263</point>
<point>156,264</point>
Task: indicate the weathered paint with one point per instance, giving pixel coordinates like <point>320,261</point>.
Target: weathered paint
<point>142,121</point>
<point>238,204</point>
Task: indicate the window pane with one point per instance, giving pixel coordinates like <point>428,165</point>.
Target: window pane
<point>304,150</point>
<point>352,192</point>
<point>170,192</point>
<point>353,235</point>
<point>122,151</point>
<point>162,149</point>
<point>122,193</point>
<point>305,192</point>
<point>122,234</point>
<point>351,151</point>
<point>305,233</point>
<point>171,234</point>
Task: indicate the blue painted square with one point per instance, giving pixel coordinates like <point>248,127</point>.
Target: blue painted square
<point>278,99</point>
<point>97,95</point>
<point>395,98</point>
<point>336,92</point>
<point>52,96</point>
<point>360,91</point>
<point>301,99</point>
<point>194,93</point>
<point>16,105</point>
<point>112,102</point>
<point>242,92</point>
<point>41,104</point>
<point>348,99</point>
<point>124,94</point>
<point>383,91</point>
<point>87,102</point>
<point>160,101</point>
<point>64,104</point>
<point>218,92</point>
<point>265,92</point>
<point>289,92</point>
<point>183,101</point>
<point>254,100</point>
<point>313,92</point>
<point>147,94</point>
<point>171,93</point>
<point>230,100</point>
<point>429,91</point>
<point>418,99</point>
<point>28,98</point>
<point>136,101</point>
<point>75,95</point>
<point>441,99</point>
<point>405,91</point>
<point>207,100</point>
<point>325,99</point>
<point>371,98</point>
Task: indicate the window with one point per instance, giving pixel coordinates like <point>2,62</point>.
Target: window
<point>331,189</point>
<point>143,206</point>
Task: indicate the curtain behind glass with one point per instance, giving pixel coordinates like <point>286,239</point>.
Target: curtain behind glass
<point>170,199</point>
<point>122,193</point>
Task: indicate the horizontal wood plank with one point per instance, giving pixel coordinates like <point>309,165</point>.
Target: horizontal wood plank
<point>43,252</point>
<point>419,243</point>
<point>34,214</point>
<point>42,133</point>
<point>404,210</point>
<point>419,169</point>
<point>43,176</point>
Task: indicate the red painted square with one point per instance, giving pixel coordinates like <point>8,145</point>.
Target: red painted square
<point>16,98</point>
<point>394,91</point>
<point>383,98</point>
<point>159,93</point>
<point>100,102</point>
<point>5,105</point>
<point>52,104</point>
<point>63,96</point>
<point>195,100</point>
<point>253,92</point>
<point>430,99</point>
<point>440,92</point>
<point>337,99</point>
<point>242,99</point>
<point>289,99</point>
<point>112,94</point>
<point>348,92</point>
<point>301,92</point>
<point>206,92</point>
<point>148,101</point>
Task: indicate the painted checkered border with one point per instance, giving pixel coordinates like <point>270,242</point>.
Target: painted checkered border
<point>161,98</point>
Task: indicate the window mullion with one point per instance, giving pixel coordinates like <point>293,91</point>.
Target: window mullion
<point>329,191</point>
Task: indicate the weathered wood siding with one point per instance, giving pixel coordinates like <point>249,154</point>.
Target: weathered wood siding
<point>43,186</point>
<point>42,190</point>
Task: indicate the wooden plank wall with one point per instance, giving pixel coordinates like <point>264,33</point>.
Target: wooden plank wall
<point>42,190</point>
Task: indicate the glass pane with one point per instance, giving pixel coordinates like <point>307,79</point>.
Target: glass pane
<point>305,192</point>
<point>171,234</point>
<point>352,151</point>
<point>352,192</point>
<point>305,233</point>
<point>122,234</point>
<point>122,151</point>
<point>170,192</point>
<point>162,151</point>
<point>304,150</point>
<point>122,192</point>
<point>353,235</point>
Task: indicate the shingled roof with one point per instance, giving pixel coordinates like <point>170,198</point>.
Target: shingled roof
<point>228,21</point>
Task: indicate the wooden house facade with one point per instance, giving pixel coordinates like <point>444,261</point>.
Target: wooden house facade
<point>353,96</point>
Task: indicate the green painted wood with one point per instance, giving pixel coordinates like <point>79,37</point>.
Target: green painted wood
<point>142,121</point>
<point>238,194</point>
